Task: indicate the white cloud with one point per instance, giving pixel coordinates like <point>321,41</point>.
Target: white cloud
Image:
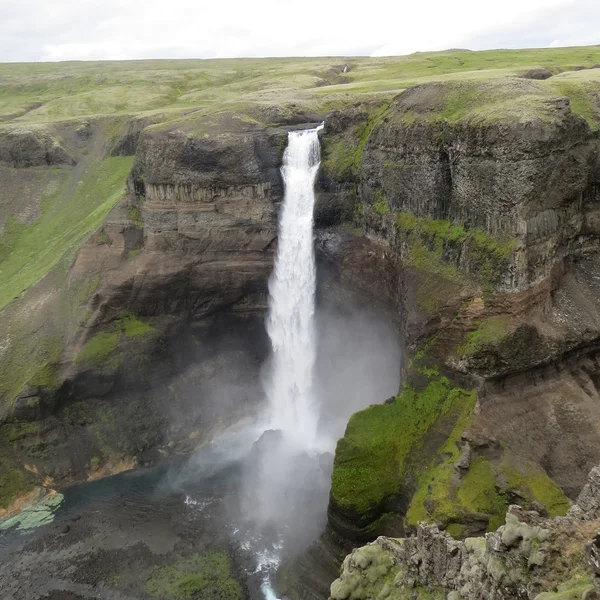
<point>113,29</point>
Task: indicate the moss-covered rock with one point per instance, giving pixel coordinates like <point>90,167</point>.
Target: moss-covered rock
<point>377,456</point>
<point>477,500</point>
<point>576,588</point>
<point>529,557</point>
<point>343,146</point>
<point>450,251</point>
<point>102,347</point>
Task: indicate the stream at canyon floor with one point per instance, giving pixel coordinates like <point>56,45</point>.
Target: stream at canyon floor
<point>119,537</point>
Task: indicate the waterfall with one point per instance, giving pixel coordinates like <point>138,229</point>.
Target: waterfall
<point>292,286</point>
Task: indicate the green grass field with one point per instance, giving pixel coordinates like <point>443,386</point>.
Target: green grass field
<point>56,91</point>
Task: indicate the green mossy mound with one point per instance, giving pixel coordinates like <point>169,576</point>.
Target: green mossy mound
<point>372,459</point>
<point>416,443</point>
<point>576,588</point>
<point>484,492</point>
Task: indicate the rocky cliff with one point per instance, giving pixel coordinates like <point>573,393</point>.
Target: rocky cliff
<point>150,337</point>
<point>480,200</point>
<point>530,556</point>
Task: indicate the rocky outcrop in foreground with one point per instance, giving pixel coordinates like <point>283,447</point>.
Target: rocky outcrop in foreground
<point>531,556</point>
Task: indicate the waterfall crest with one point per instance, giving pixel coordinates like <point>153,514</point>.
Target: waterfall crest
<point>292,289</point>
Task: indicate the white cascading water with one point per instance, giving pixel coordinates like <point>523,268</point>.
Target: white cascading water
<point>292,303</point>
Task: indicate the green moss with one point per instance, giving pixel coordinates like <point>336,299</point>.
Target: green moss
<point>342,156</point>
<point>426,243</point>
<point>456,530</point>
<point>101,347</point>
<point>574,589</point>
<point>444,497</point>
<point>371,458</point>
<point>133,327</point>
<point>539,487</point>
<point>135,214</point>
<point>373,577</point>
<point>15,431</point>
<point>477,493</point>
<point>490,331</point>
<point>406,222</point>
<point>98,347</point>
<point>380,203</point>
<point>429,372</point>
<point>208,576</point>
<point>489,257</point>
<point>382,207</point>
<point>46,376</point>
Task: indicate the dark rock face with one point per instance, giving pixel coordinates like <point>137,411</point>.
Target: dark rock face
<point>28,406</point>
<point>32,148</point>
<point>249,158</point>
<point>536,181</point>
<point>207,210</point>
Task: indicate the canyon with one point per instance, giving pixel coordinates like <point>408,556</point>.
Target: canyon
<point>461,207</point>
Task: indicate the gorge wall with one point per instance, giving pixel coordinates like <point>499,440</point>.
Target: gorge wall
<point>480,220</point>
<point>150,337</point>
<point>489,219</point>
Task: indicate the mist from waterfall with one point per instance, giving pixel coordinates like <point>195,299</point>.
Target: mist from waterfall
<point>291,323</point>
<point>325,364</point>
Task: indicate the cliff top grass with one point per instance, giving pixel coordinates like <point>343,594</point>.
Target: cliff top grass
<point>507,99</point>
<point>45,92</point>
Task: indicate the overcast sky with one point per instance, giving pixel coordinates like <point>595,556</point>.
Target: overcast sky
<point>34,30</point>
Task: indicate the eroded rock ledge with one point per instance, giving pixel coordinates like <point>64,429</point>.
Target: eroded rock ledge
<point>530,557</point>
